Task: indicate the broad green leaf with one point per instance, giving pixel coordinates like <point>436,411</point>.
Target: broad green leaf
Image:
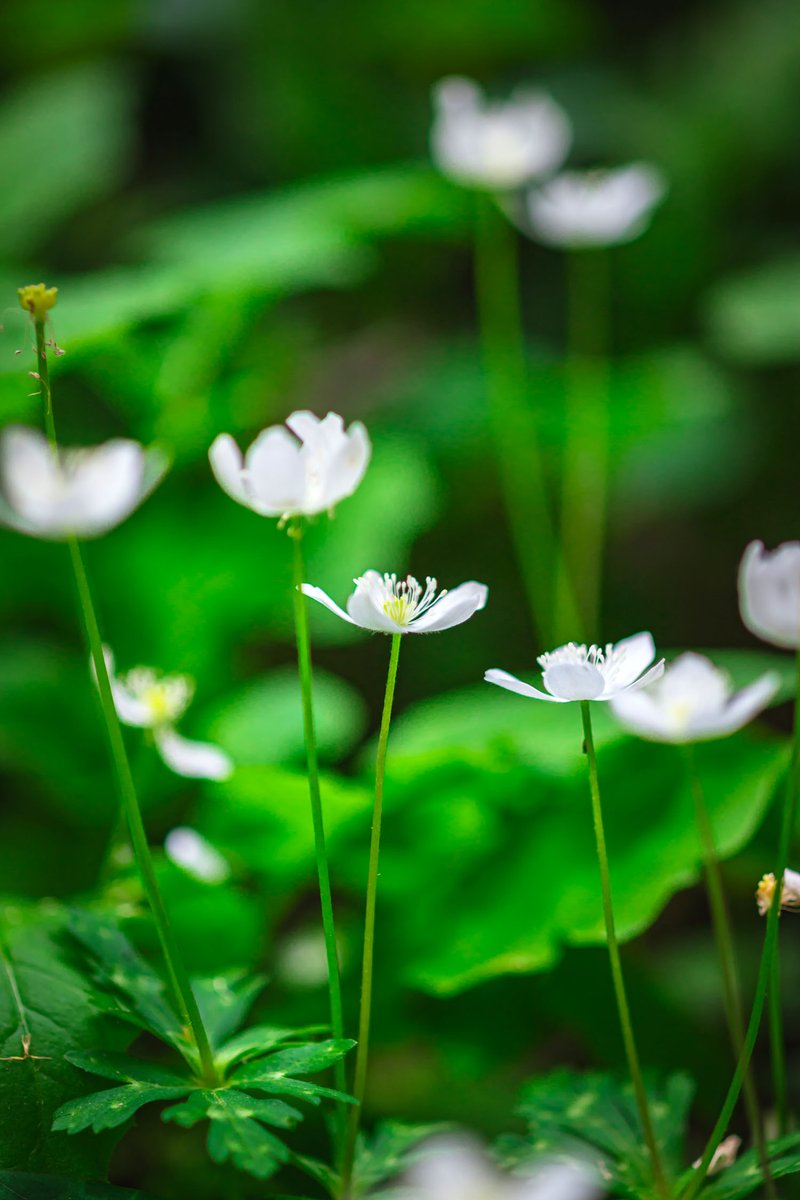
<point>224,1003</point>
<point>126,1069</point>
<point>107,1109</point>
<point>17,1185</point>
<point>275,1073</point>
<point>47,1009</point>
<point>263,723</point>
<point>235,1130</point>
<point>252,1043</point>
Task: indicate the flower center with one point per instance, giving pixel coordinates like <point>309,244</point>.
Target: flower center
<point>573,655</point>
<point>166,697</point>
<point>402,600</point>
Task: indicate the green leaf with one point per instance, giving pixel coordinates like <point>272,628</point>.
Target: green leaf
<point>236,1131</point>
<point>744,1176</point>
<point>115,1106</point>
<point>126,1069</point>
<point>754,317</point>
<point>387,1153</point>
<point>260,1039</point>
<point>16,1185</point>
<point>275,1073</point>
<point>225,1002</point>
<point>201,1103</point>
<point>47,1006</point>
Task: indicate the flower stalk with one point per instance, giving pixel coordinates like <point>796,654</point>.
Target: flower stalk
<point>178,976</point>
<point>362,1052</point>
<point>296,531</point>
<point>631,1052</point>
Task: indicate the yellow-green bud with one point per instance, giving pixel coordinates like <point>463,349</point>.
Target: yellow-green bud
<point>37,299</point>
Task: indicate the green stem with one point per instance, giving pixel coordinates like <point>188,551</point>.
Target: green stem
<point>323,872</point>
<point>362,1053</point>
<point>179,979</point>
<point>721,922</point>
<point>584,480</point>
<point>178,975</point>
<point>788,820</point>
<point>631,1052</point>
<point>776,1043</point>
<point>513,421</point>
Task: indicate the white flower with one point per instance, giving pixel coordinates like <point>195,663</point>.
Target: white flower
<point>494,145</point>
<point>769,593</point>
<point>147,700</point>
<point>456,1168</point>
<point>58,494</point>
<point>595,208</point>
<point>790,892</point>
<point>724,1155</point>
<point>694,701</point>
<point>191,851</point>
<point>300,473</point>
<point>384,604</point>
<point>301,960</point>
<point>588,672</point>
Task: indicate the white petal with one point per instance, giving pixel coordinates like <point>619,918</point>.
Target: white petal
<point>574,681</point>
<point>629,659</point>
<point>130,710</point>
<point>30,475</point>
<point>769,593</point>
<point>195,760</point>
<point>316,593</point>
<point>512,684</point>
<point>189,850</point>
<point>639,711</point>
<point>107,485</point>
<point>453,608</point>
<point>275,473</point>
<point>348,466</point>
<point>364,610</point>
<point>453,1168</point>
<point>227,465</point>
<point>743,708</point>
<point>655,672</point>
<point>306,425</point>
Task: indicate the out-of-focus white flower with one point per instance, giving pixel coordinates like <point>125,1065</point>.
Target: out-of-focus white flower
<point>496,146</point>
<point>769,593</point>
<point>386,604</point>
<point>588,672</point>
<point>790,892</point>
<point>724,1155</point>
<point>595,208</point>
<point>301,960</point>
<point>191,851</point>
<point>148,700</point>
<point>298,473</point>
<point>82,493</point>
<point>693,702</point>
<point>456,1168</point>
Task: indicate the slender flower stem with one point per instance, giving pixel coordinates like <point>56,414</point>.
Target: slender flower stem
<point>178,976</point>
<point>720,919</point>
<point>776,1043</point>
<point>788,819</point>
<point>584,487</point>
<point>631,1052</point>
<point>362,1053</point>
<point>323,872</point>
<point>513,420</point>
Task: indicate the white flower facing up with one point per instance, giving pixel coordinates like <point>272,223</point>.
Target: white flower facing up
<point>456,1168</point>
<point>595,208</point>
<point>147,700</point>
<point>298,473</point>
<point>76,492</point>
<point>790,892</point>
<point>386,604</point>
<point>693,702</point>
<point>588,672</point>
<point>497,146</point>
<point>189,850</point>
<point>769,593</point>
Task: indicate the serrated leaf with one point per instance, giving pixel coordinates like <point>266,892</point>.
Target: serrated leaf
<point>202,1102</point>
<point>107,1109</point>
<point>274,1073</point>
<point>18,1185</point>
<point>236,1131</point>
<point>126,1069</point>
<point>225,1002</point>
<point>257,1041</point>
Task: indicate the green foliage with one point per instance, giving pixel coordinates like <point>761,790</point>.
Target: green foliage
<point>379,1158</point>
<point>16,1185</point>
<point>745,1176</point>
<point>754,318</point>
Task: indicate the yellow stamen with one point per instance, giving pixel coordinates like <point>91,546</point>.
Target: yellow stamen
<point>37,299</point>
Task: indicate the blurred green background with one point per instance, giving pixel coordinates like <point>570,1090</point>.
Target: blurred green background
<point>236,204</point>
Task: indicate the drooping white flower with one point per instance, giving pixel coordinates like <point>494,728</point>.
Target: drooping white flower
<point>769,593</point>
<point>298,473</point>
<point>595,208</point>
<point>588,672</point>
<point>457,1168</point>
<point>386,604</point>
<point>790,892</point>
<point>497,146</point>
<point>81,492</point>
<point>693,702</point>
<point>192,852</point>
<point>147,700</point>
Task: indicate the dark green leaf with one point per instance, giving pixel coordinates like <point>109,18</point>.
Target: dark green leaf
<point>16,1185</point>
<point>235,1131</point>
<point>125,1069</point>
<point>107,1109</point>
<point>745,1175</point>
<point>257,1041</point>
<point>225,1002</point>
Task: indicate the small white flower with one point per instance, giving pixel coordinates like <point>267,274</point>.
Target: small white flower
<point>769,593</point>
<point>147,700</point>
<point>456,1168</point>
<point>790,892</point>
<point>386,604</point>
<point>300,473</point>
<point>300,959</point>
<point>497,146</point>
<point>694,701</point>
<point>588,672</point>
<point>82,493</point>
<point>724,1155</point>
<point>191,851</point>
<point>595,208</point>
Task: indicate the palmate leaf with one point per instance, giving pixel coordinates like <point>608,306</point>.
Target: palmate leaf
<point>276,1073</point>
<point>237,1127</point>
<point>112,1107</point>
<point>594,1116</point>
